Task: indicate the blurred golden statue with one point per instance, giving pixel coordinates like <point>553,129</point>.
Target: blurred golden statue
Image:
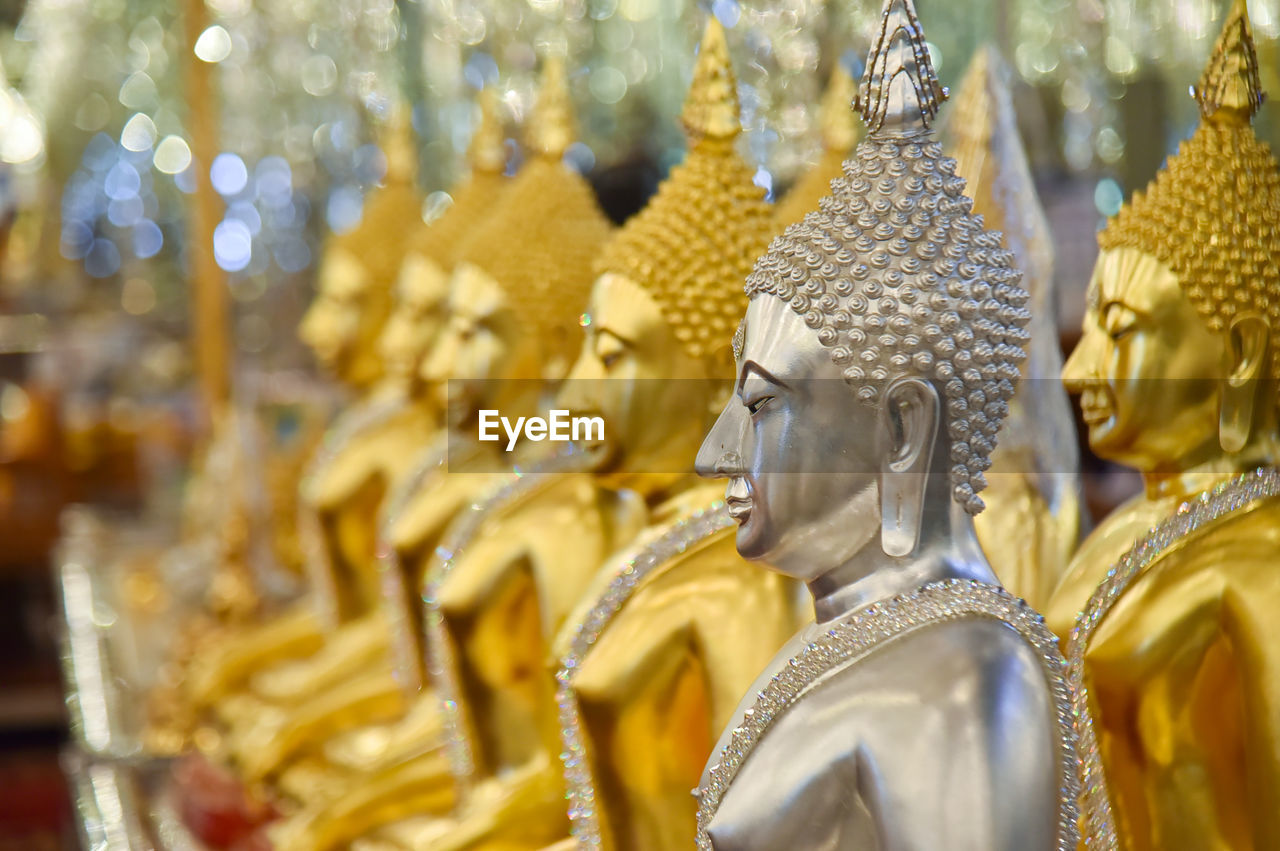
<point>677,625</point>
<point>350,681</point>
<point>513,317</point>
<point>1032,521</point>
<point>345,478</point>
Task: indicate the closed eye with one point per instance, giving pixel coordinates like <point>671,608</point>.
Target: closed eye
<point>756,404</point>
<point>1118,320</point>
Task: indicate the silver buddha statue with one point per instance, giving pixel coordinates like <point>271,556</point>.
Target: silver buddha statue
<point>926,707</point>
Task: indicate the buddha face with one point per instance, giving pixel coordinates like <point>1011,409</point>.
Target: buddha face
<point>422,292</point>
<point>655,399</point>
<point>344,319</point>
<point>801,453</point>
<point>487,355</point>
<point>1147,368</point>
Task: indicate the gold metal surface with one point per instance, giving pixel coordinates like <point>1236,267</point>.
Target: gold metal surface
<point>1176,372</point>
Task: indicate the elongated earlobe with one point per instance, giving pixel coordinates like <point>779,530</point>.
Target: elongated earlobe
<point>1249,342</point>
<point>911,419</point>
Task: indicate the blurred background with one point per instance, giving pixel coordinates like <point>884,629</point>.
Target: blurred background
<point>164,161</point>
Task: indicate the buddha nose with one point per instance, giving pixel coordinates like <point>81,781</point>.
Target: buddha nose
<point>1082,367</point>
<point>720,455</point>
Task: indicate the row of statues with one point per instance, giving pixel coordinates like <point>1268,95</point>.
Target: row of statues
<point>550,648</point>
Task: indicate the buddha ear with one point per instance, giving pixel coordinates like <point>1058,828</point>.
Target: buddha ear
<point>1248,347</point>
<point>910,419</point>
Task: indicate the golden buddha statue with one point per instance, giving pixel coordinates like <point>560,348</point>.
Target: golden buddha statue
<point>1171,604</point>
<point>513,315</point>
<point>350,682</point>
<point>840,131</point>
<point>1032,521</point>
<point>342,327</point>
<point>677,624</point>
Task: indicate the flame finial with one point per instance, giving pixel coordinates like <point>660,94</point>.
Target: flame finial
<point>400,145</point>
<point>900,93</point>
<point>1229,88</point>
<point>488,150</point>
<point>551,126</point>
<point>711,107</point>
<point>840,130</point>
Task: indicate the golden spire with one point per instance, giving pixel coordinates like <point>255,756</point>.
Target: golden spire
<point>1229,88</point>
<point>474,196</point>
<point>694,243</point>
<point>400,146</point>
<point>982,134</point>
<point>711,107</point>
<point>488,149</point>
<point>545,230</point>
<point>1210,213</point>
<point>840,132</point>
<point>900,93</point>
<point>551,124</point>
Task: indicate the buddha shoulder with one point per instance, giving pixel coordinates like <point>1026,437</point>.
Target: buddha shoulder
<point>933,701</point>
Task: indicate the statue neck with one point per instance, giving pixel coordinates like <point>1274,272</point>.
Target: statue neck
<point>1214,465</point>
<point>948,549</point>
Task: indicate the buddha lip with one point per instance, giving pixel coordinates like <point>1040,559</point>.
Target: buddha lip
<point>738,507</point>
<point>1093,416</point>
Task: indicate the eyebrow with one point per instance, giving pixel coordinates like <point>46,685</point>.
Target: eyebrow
<point>752,366</point>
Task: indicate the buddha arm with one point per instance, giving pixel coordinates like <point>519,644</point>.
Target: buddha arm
<point>298,632</point>
<point>1185,675</point>
<point>349,651</point>
<point>420,785</point>
<point>661,681</point>
<point>266,746</point>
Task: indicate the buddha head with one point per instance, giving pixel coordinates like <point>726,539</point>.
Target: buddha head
<point>655,360</point>
<point>1176,366</point>
<point>421,292</point>
<point>357,272</point>
<point>422,286</point>
<point>880,345</point>
<point>522,277</point>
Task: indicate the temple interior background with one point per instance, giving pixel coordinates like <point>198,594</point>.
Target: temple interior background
<point>133,130</point>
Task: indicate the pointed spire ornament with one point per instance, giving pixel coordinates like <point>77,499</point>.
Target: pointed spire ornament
<point>1210,213</point>
<point>1229,88</point>
<point>692,245</point>
<point>840,132</point>
<point>900,93</point>
<point>474,196</point>
<point>551,125</point>
<point>545,231</point>
<point>711,107</point>
<point>400,146</point>
<point>488,149</point>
